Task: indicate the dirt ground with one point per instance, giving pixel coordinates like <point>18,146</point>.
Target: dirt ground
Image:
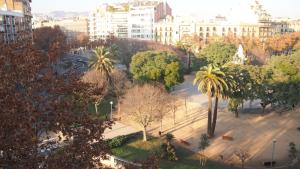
<point>253,133</point>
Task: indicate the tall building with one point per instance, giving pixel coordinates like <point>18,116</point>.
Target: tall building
<point>15,20</point>
<point>72,27</point>
<point>109,20</point>
<point>142,17</point>
<point>134,19</point>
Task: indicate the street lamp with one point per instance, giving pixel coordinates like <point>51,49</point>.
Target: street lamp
<point>111,104</point>
<point>273,151</point>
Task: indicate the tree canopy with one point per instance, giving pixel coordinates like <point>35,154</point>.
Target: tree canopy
<point>50,39</point>
<point>219,53</point>
<point>163,67</point>
<point>36,101</point>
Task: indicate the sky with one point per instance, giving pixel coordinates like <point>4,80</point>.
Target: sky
<point>202,8</point>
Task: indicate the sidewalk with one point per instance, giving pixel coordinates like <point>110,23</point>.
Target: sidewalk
<point>119,129</point>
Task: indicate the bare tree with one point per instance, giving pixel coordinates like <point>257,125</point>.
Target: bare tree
<point>173,106</point>
<point>95,78</point>
<point>145,104</point>
<point>120,84</point>
<point>242,155</point>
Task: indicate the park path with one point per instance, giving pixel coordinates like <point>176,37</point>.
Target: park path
<point>119,129</point>
<point>251,132</point>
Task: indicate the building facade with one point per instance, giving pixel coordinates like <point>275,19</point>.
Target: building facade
<point>256,23</point>
<point>72,27</point>
<point>134,19</point>
<point>108,20</point>
<point>15,20</point>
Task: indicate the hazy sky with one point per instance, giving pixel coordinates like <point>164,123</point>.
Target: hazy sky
<point>202,8</point>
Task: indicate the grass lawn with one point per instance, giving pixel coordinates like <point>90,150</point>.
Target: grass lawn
<point>138,150</point>
<point>103,108</point>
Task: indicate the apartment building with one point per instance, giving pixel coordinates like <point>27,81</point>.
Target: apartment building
<point>253,22</point>
<point>142,17</point>
<point>108,20</point>
<point>134,19</point>
<point>72,27</point>
<point>171,29</point>
<point>284,25</point>
<point>15,20</point>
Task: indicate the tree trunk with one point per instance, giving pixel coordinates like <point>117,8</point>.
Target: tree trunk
<point>236,114</point>
<point>119,106</point>
<point>161,122</point>
<point>209,114</point>
<point>243,105</point>
<point>263,110</point>
<point>189,62</point>
<point>145,133</point>
<point>174,117</point>
<point>215,116</point>
<point>96,108</point>
<point>185,105</point>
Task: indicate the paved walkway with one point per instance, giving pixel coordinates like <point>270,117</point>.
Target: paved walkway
<point>119,129</point>
<point>251,132</point>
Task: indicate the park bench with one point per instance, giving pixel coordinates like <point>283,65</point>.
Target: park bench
<point>184,142</point>
<point>268,163</point>
<point>227,138</point>
<point>298,128</point>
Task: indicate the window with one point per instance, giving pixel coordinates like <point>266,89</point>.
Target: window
<point>214,29</point>
<point>207,29</point>
<point>201,29</point>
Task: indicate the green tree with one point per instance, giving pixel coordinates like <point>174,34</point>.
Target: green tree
<point>219,53</point>
<point>100,61</point>
<point>211,81</point>
<point>163,67</point>
<point>240,86</point>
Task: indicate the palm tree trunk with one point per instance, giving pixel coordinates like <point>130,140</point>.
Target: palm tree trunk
<point>209,114</point>
<point>215,116</point>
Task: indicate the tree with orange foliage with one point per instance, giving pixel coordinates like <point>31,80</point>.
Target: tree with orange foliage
<point>50,39</point>
<point>44,118</point>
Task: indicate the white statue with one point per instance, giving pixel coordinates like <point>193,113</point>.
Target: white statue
<point>239,57</point>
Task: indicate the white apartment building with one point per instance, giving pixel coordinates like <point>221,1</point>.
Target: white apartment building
<point>253,22</point>
<point>127,20</point>
<point>142,17</point>
<point>109,20</point>
<point>284,25</point>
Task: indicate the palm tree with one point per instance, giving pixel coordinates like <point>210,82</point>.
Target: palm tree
<point>100,61</point>
<point>211,81</point>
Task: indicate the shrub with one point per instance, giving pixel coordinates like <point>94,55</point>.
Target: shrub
<point>168,152</point>
<point>293,151</point>
<point>169,137</point>
<point>121,140</point>
<point>117,141</point>
<point>204,142</point>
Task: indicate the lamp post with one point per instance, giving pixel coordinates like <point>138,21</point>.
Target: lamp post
<point>111,104</point>
<point>273,151</point>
